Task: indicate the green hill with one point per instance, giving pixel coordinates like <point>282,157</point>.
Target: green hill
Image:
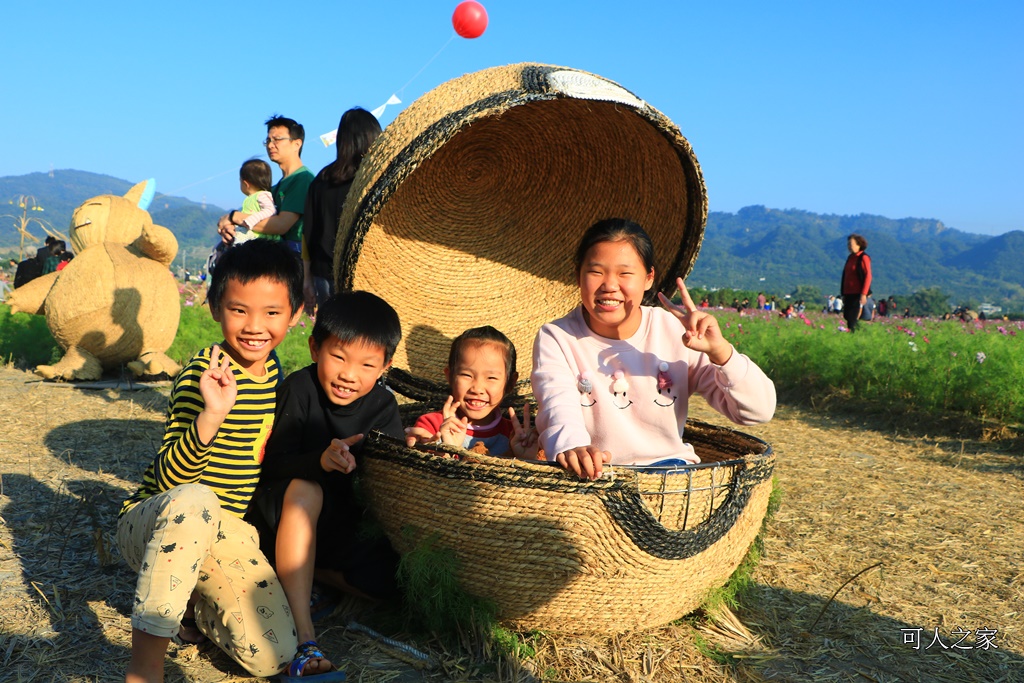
<point>193,224</point>
<point>755,248</point>
<point>776,250</point>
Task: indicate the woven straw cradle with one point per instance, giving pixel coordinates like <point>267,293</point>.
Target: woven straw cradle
<point>467,211</point>
<point>559,554</point>
<point>468,208</point>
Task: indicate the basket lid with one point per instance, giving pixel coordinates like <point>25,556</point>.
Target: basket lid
<point>468,208</point>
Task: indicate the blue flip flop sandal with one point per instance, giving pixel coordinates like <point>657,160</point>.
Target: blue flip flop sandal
<point>304,654</point>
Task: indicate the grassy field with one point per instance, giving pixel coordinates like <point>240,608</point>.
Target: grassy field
<point>930,365</point>
<point>892,363</point>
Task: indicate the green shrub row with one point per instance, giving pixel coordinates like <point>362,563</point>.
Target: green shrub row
<point>971,367</point>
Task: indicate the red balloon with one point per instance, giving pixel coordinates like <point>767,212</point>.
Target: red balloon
<point>470,19</point>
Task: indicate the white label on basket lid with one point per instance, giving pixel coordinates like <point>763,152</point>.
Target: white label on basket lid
<point>588,87</point>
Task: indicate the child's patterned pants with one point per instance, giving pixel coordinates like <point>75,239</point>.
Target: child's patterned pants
<point>182,540</point>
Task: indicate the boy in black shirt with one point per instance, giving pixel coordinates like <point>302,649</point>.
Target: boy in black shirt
<point>305,495</point>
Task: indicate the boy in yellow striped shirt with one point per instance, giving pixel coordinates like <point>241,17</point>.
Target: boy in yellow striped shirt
<point>200,570</point>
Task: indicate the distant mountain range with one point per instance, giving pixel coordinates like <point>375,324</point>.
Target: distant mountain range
<point>193,224</point>
<point>775,251</point>
<point>755,248</point>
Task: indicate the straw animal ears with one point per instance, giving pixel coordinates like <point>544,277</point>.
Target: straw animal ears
<point>117,301</point>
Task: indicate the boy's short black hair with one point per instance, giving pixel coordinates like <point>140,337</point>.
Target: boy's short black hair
<point>295,129</point>
<point>359,316</point>
<point>486,335</point>
<point>253,260</point>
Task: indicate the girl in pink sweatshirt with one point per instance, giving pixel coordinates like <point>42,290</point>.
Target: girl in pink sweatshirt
<point>612,378</point>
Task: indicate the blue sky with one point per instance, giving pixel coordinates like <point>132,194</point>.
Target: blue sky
<point>899,109</point>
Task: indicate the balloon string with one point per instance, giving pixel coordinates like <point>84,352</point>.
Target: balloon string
<point>198,182</point>
<point>415,76</point>
<point>423,68</point>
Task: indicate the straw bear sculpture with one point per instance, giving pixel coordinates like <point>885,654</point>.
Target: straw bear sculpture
<point>117,301</point>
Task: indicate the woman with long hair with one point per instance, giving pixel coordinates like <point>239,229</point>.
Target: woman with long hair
<point>357,130</point>
<point>856,282</point>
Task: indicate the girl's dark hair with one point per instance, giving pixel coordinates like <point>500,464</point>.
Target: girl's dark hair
<point>359,316</point>
<point>486,335</point>
<point>356,132</point>
<point>859,239</point>
<point>253,260</point>
<point>256,172</point>
<point>616,230</point>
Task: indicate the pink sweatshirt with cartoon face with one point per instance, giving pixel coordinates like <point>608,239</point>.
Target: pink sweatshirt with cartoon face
<point>629,396</point>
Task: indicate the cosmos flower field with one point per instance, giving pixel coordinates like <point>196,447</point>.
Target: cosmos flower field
<point>974,367</point>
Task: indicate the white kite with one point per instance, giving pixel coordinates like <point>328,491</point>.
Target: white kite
<point>330,138</point>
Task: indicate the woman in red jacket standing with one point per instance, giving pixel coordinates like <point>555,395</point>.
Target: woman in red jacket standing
<point>856,280</point>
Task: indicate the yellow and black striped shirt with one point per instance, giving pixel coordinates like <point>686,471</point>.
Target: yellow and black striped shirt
<point>230,463</point>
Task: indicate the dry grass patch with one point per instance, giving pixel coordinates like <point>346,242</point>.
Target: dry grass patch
<point>943,515</point>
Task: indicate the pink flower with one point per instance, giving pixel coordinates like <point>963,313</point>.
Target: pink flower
<point>188,302</point>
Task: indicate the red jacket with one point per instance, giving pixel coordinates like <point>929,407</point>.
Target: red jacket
<point>856,275</point>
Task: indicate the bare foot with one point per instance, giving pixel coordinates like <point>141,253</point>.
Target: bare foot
<point>309,661</point>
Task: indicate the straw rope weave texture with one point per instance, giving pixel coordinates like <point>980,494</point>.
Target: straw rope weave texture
<point>559,554</point>
<point>468,208</point>
<point>117,301</point>
<point>113,304</point>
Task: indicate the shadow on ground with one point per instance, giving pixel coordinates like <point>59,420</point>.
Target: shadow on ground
<point>849,643</point>
<point>956,438</point>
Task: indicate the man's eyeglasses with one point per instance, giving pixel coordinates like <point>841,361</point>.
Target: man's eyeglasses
<point>273,141</point>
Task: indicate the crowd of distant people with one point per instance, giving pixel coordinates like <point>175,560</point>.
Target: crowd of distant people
<point>884,308</point>
<point>51,257</point>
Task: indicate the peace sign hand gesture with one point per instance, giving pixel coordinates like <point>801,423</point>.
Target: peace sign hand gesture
<point>452,431</point>
<point>700,330</point>
<point>218,388</point>
<point>217,384</point>
<point>525,441</point>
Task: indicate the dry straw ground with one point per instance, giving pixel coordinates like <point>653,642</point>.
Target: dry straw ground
<point>943,516</point>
